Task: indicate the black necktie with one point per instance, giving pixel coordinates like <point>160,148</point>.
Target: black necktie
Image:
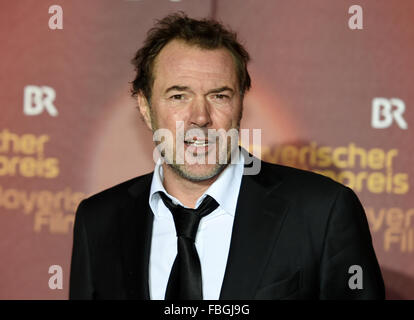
<point>185,278</point>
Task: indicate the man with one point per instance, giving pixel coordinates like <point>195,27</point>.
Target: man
<point>196,229</point>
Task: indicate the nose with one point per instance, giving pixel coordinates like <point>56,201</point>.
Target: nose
<point>200,113</point>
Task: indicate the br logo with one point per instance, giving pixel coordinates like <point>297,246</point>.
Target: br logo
<point>38,99</point>
<point>386,111</point>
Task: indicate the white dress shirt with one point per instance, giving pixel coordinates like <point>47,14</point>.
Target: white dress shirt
<point>212,239</point>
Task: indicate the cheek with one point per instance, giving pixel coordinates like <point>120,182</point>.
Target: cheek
<point>226,118</point>
<point>177,118</point>
<point>166,116</point>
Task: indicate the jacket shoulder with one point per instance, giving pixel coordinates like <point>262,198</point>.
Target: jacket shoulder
<point>302,182</point>
<point>116,196</point>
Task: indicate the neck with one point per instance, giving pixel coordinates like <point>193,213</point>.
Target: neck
<point>185,190</point>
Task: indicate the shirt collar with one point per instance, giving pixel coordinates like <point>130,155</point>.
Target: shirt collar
<point>224,190</point>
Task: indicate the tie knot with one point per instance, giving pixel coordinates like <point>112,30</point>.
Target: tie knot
<point>187,220</point>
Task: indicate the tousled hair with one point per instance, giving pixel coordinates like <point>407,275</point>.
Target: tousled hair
<point>204,33</point>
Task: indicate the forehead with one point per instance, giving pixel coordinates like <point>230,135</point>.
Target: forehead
<point>180,61</point>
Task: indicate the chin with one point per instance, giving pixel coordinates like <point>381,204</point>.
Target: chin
<point>198,172</point>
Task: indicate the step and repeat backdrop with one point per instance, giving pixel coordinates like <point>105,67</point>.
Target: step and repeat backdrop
<point>332,92</point>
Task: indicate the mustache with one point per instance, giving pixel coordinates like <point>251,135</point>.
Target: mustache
<point>202,131</point>
<point>197,134</point>
<point>201,134</point>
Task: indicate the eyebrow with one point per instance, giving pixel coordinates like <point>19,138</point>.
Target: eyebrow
<point>177,88</point>
<point>221,89</point>
<point>185,88</point>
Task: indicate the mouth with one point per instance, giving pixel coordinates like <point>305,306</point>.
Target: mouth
<point>198,146</point>
<point>197,143</point>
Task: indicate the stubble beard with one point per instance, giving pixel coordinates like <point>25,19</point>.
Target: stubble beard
<point>184,172</point>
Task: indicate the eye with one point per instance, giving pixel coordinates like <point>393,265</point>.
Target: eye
<point>177,97</point>
<point>220,98</point>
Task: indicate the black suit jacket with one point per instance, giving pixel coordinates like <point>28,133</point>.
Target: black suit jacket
<point>295,236</point>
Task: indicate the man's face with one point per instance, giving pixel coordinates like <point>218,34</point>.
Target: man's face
<point>200,88</point>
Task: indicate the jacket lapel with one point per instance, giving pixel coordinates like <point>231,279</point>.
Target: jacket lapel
<point>136,230</point>
<point>258,220</point>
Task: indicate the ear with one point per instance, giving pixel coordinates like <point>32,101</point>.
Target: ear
<point>144,109</point>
